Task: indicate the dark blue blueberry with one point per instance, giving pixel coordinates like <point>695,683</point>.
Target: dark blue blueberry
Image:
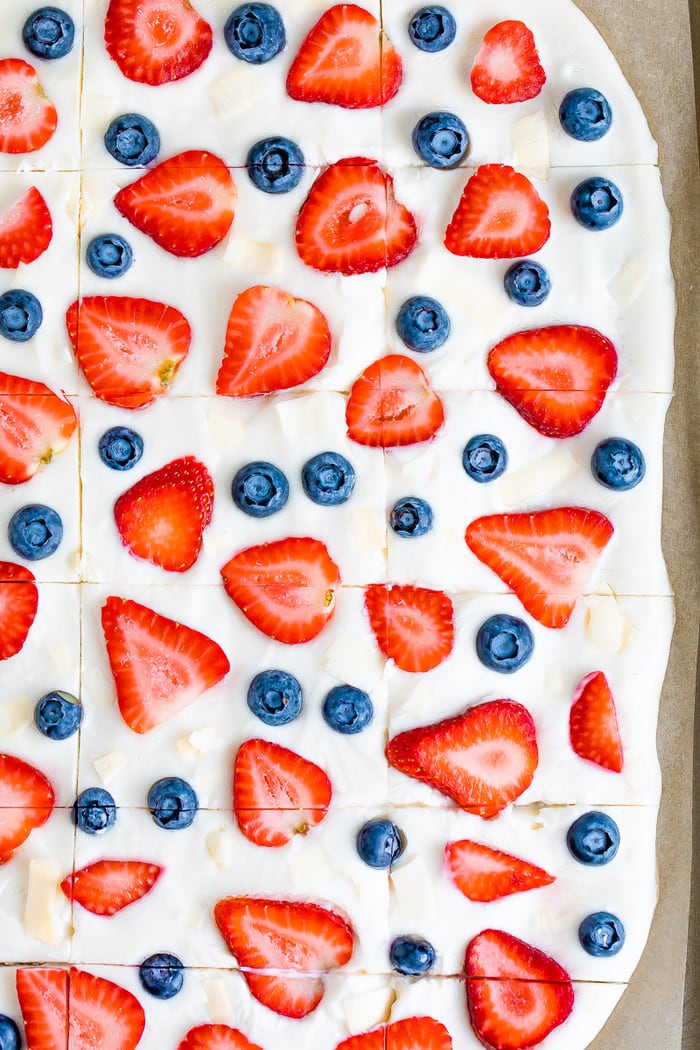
<point>411,956</point>
<point>485,458</point>
<point>347,709</point>
<point>132,139</point>
<point>94,811</point>
<point>49,33</point>
<point>504,643</point>
<point>120,448</point>
<point>423,324</point>
<point>596,203</point>
<point>411,517</point>
<point>58,715</point>
<point>20,315</point>
<point>109,255</point>
<point>328,479</point>
<point>618,464</point>
<point>601,934</point>
<point>173,803</point>
<point>593,838</point>
<point>10,1038</point>
<point>380,842</point>
<point>275,697</point>
<point>441,139</point>
<point>162,975</point>
<point>275,165</point>
<point>255,33</point>
<point>432,28</point>
<point>35,531</point>
<point>527,283</point>
<point>260,489</point>
<point>585,114</point>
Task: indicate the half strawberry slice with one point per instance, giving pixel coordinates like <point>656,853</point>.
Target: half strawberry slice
<point>482,873</point>
<point>26,802</point>
<point>19,601</point>
<point>507,67</point>
<point>500,215</point>
<point>35,425</point>
<point>392,403</point>
<point>216,1037</point>
<point>593,729</point>
<point>156,41</point>
<point>410,1033</point>
<point>28,118</point>
<point>107,886</point>
<point>26,230</point>
<point>414,626</point>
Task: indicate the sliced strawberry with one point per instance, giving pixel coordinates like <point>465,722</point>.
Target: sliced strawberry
<point>43,1000</point>
<point>273,342</point>
<point>293,936</point>
<point>351,221</point>
<point>507,67</point>
<point>156,41</point>
<point>411,1033</point>
<point>216,1037</point>
<point>19,601</point>
<point>500,215</point>
<point>162,517</point>
<point>26,230</point>
<point>26,802</point>
<point>374,1040</point>
<point>413,626</point>
<point>482,873</point>
<point>516,995</point>
<point>483,759</point>
<point>555,377</point>
<point>346,61</point>
<point>107,886</point>
<point>392,403</point>
<point>35,425</point>
<point>128,349</point>
<point>277,794</point>
<point>593,729</point>
<point>186,204</point>
<point>159,666</point>
<point>546,558</point>
<point>285,588</point>
<point>28,118</point>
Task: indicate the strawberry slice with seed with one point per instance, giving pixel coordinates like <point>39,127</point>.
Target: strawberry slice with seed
<point>107,886</point>
<point>216,1037</point>
<point>482,873</point>
<point>26,802</point>
<point>507,67</point>
<point>413,626</point>
<point>19,601</point>
<point>26,230</point>
<point>156,41</point>
<point>407,1034</point>
<point>500,215</point>
<point>35,425</point>
<point>28,118</point>
<point>392,403</point>
<point>593,729</point>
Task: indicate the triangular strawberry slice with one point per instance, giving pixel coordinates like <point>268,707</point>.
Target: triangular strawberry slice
<point>351,221</point>
<point>546,558</point>
<point>216,1037</point>
<point>43,1000</point>
<point>410,1033</point>
<point>507,67</point>
<point>593,729</point>
<point>28,118</point>
<point>107,886</point>
<point>414,626</point>
<point>346,61</point>
<point>483,759</point>
<point>392,403</point>
<point>35,425</point>
<point>556,378</point>
<point>26,230</point>
<point>277,794</point>
<point>19,601</point>
<point>140,642</point>
<point>186,204</point>
<point>482,873</point>
<point>500,215</point>
<point>273,342</point>
<point>156,41</point>
<point>26,802</point>
<point>285,588</point>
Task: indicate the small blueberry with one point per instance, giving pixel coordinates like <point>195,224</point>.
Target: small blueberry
<point>120,448</point>
<point>504,643</point>
<point>20,315</point>
<point>275,697</point>
<point>132,139</point>
<point>347,709</point>
<point>49,33</point>
<point>328,479</point>
<point>441,140</point>
<point>10,1038</point>
<point>255,33</point>
<point>597,203</point>
<point>35,531</point>
<point>601,934</point>
<point>173,803</point>
<point>618,464</point>
<point>432,28</point>
<point>484,458</point>
<point>585,114</point>
<point>411,517</point>
<point>423,324</point>
<point>527,283</point>
<point>594,838</point>
<point>109,255</point>
<point>411,956</point>
<point>94,811</point>
<point>58,715</point>
<point>260,489</point>
<point>380,842</point>
<point>162,975</point>
<point>275,165</point>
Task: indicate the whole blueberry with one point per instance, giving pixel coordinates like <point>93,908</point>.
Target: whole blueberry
<point>10,1038</point>
<point>596,203</point>
<point>411,956</point>
<point>275,165</point>
<point>49,33</point>
<point>618,464</point>
<point>120,448</point>
<point>162,975</point>
<point>328,479</point>
<point>484,458</point>
<point>601,934</point>
<point>173,803</point>
<point>58,715</point>
<point>411,517</point>
<point>132,139</point>
<point>504,643</point>
<point>20,315</point>
<point>109,255</point>
<point>275,697</point>
<point>380,842</point>
<point>94,811</point>
<point>527,283</point>
<point>35,531</point>
<point>260,489</point>
<point>423,324</point>
<point>255,33</point>
<point>441,140</point>
<point>432,28</point>
<point>594,838</point>
<point>347,709</point>
<point>585,114</point>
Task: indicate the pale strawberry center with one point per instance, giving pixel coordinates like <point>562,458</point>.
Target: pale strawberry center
<point>502,65</point>
<point>162,28</point>
<point>11,106</point>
